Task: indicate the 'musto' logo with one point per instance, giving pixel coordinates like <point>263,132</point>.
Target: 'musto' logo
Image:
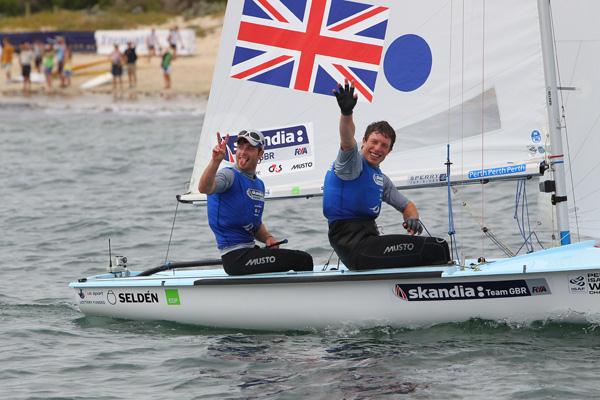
<point>260,260</point>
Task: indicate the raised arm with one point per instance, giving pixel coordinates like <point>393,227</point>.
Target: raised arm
<point>207,180</point>
<point>346,100</point>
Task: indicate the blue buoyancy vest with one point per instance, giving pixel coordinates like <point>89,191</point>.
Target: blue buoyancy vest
<point>236,214</point>
<point>353,199</point>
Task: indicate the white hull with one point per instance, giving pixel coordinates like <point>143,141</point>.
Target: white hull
<point>398,297</point>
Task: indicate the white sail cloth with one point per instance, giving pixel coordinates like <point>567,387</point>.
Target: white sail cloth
<point>466,73</point>
<point>578,52</point>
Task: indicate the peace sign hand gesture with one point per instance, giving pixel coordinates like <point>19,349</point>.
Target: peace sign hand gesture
<point>219,151</point>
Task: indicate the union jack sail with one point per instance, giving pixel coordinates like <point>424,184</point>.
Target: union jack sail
<point>310,45</point>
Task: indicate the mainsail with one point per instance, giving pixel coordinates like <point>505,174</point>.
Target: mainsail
<point>468,73</point>
<point>578,54</point>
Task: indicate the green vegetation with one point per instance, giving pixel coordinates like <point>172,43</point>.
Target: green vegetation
<point>28,15</point>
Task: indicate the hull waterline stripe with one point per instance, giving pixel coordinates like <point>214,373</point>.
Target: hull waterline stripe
<point>316,279</point>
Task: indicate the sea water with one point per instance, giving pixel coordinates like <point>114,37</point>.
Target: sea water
<point>73,177</point>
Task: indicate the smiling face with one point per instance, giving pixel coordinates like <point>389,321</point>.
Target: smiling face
<point>247,156</point>
<point>375,148</point>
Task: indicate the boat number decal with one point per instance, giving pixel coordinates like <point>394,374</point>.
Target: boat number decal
<point>585,283</point>
<point>471,290</point>
<point>172,296</point>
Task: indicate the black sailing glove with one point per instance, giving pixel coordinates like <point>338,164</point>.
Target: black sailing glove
<point>345,98</point>
<point>413,226</point>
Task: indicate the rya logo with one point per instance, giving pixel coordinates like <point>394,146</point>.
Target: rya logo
<point>300,151</point>
<point>260,260</point>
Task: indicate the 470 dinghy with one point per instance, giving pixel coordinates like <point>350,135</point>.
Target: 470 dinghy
<point>476,77</point>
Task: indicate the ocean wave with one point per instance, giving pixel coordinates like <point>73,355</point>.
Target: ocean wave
<point>150,106</point>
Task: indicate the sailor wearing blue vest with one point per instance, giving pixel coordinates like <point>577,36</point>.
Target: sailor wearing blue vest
<point>235,208</point>
<point>353,191</point>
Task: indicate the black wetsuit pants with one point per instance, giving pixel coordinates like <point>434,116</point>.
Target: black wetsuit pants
<point>359,246</point>
<point>261,260</point>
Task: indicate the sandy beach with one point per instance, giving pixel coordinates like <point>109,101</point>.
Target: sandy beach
<point>190,79</point>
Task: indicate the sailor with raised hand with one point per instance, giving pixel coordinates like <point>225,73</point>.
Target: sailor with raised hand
<point>353,192</point>
<point>235,208</point>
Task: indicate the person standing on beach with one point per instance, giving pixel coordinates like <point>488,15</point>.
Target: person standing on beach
<point>26,59</point>
<point>152,44</point>
<point>174,39</point>
<point>165,65</point>
<point>7,57</point>
<point>131,58</point>
<point>60,48</point>
<point>68,68</point>
<point>48,65</point>
<point>116,62</point>
<point>38,51</point>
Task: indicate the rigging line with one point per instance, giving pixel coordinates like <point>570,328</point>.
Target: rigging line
<point>462,110</point>
<point>433,15</point>
<point>590,193</point>
<point>526,233</point>
<point>172,228</point>
<point>450,69</point>
<point>589,134</point>
<point>564,118</point>
<point>475,218</point>
<point>516,214</point>
<point>326,265</point>
<point>587,173</point>
<point>498,243</point>
<point>527,213</point>
<point>451,230</point>
<point>424,227</point>
<point>524,213</point>
<point>556,52</point>
<point>537,240</point>
<point>482,116</point>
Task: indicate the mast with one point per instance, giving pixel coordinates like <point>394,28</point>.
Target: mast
<point>559,198</point>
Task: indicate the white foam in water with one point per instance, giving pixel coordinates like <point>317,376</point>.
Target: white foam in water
<point>107,104</point>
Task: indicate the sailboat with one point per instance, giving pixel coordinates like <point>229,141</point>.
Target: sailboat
<point>474,82</point>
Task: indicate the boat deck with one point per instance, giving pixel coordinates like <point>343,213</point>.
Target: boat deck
<point>552,260</point>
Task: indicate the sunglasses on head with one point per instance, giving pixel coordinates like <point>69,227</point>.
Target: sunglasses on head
<point>251,134</point>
